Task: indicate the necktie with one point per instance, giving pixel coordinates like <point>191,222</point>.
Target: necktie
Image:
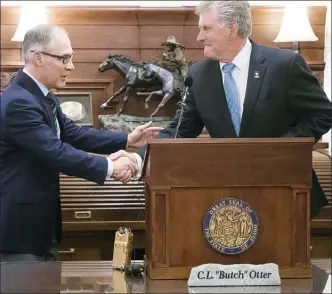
<point>51,102</point>
<point>232,96</point>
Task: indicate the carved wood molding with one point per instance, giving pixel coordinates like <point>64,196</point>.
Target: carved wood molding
<point>316,65</point>
<point>8,73</point>
<point>6,79</point>
<point>11,66</point>
<point>85,84</point>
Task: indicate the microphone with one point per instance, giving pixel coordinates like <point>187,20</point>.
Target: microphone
<point>188,82</point>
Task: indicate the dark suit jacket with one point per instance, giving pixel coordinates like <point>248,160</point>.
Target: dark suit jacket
<point>32,157</point>
<point>285,101</point>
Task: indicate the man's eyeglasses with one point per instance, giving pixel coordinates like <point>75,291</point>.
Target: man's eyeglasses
<point>65,58</point>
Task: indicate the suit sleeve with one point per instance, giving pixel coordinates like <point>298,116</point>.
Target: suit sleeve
<point>93,140</point>
<point>191,125</point>
<point>308,101</point>
<point>26,127</point>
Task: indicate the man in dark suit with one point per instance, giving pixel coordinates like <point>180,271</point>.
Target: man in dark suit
<point>247,90</point>
<point>38,142</point>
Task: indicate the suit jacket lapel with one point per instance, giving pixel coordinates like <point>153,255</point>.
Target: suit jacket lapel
<point>30,85</point>
<point>256,74</point>
<point>216,100</point>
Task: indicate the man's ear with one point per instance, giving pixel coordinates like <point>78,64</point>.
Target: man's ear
<point>36,58</point>
<point>233,30</point>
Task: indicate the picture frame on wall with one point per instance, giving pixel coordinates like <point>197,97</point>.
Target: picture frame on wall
<point>77,106</point>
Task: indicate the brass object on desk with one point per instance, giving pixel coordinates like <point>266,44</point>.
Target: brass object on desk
<point>120,285</point>
<point>123,244</point>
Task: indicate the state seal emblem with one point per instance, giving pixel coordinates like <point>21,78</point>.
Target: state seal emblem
<point>230,226</point>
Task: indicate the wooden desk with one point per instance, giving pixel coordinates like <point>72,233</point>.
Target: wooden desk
<point>98,277</point>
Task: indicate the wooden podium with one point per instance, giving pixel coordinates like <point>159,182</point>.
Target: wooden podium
<point>185,177</point>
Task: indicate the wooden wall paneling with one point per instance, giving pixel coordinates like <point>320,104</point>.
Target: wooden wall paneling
<point>169,17</point>
<point>99,16</point>
<point>97,36</point>
<point>7,32</point>
<point>153,36</point>
<point>273,15</point>
<point>89,70</point>
<point>99,55</point>
<point>312,54</point>
<point>9,15</point>
<point>8,55</point>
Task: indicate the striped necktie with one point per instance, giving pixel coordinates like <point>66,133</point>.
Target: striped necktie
<point>232,96</point>
<point>52,103</point>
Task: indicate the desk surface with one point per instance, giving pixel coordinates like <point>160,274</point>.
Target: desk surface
<point>98,277</point>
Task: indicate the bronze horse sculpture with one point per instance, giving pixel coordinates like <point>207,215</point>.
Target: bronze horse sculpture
<point>172,84</point>
<point>144,78</point>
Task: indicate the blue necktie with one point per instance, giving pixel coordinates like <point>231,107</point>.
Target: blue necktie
<point>232,96</point>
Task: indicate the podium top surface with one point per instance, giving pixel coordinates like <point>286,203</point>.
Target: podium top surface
<point>291,140</point>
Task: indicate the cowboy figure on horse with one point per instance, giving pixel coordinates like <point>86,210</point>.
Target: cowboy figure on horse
<point>174,54</point>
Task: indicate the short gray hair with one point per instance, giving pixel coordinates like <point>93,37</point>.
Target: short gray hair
<point>228,12</point>
<point>38,38</point>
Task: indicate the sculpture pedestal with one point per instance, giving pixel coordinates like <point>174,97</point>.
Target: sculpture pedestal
<point>128,123</point>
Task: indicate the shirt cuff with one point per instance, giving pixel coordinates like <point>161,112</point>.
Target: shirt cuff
<point>109,169</point>
<point>139,165</point>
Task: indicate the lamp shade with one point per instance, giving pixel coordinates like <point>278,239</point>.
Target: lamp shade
<point>32,14</point>
<point>295,25</point>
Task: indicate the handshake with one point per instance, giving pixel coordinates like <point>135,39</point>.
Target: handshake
<point>127,165</point>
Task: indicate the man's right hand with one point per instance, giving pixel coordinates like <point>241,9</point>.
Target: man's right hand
<point>124,168</point>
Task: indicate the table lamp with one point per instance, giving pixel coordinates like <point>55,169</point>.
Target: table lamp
<point>295,25</point>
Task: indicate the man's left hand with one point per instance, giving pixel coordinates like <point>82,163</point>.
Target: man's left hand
<point>141,134</point>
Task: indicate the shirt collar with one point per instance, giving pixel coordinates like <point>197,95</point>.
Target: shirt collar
<point>40,85</point>
<point>242,58</point>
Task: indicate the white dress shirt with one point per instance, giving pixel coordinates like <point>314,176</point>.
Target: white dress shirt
<point>240,72</point>
<point>45,92</point>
